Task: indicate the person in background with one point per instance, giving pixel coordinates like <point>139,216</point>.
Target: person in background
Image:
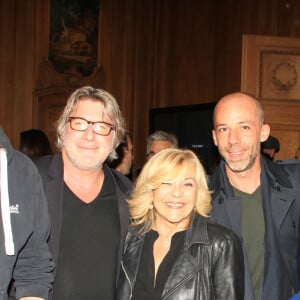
<point>123,163</point>
<point>172,251</point>
<point>86,198</point>
<point>270,147</point>
<point>297,154</point>
<point>25,226</point>
<point>160,140</point>
<point>34,143</point>
<point>257,198</point>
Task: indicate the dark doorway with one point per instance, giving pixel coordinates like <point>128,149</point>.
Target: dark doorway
<point>192,125</point>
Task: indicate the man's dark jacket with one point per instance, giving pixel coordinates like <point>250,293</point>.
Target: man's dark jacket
<point>51,170</point>
<point>209,267</point>
<point>280,185</point>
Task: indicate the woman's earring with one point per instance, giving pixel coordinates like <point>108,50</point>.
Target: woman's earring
<point>151,206</point>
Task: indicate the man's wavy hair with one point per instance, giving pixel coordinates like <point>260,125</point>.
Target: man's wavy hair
<point>111,113</point>
<point>167,165</point>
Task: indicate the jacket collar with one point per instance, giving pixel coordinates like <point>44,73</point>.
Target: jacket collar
<point>197,231</point>
<point>56,166</point>
<point>55,171</point>
<point>276,172</point>
<point>219,181</point>
<point>122,182</point>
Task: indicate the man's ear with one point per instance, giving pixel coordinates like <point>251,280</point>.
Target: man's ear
<point>213,132</point>
<point>265,132</point>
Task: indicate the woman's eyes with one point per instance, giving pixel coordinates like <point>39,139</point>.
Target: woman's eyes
<point>187,184</point>
<point>166,183</point>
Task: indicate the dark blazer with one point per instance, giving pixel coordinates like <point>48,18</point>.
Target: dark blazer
<point>280,184</point>
<point>209,267</point>
<point>51,170</point>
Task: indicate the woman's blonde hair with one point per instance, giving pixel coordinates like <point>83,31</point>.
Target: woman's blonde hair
<point>167,165</point>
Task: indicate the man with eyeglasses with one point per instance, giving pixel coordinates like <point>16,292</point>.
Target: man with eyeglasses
<point>86,198</point>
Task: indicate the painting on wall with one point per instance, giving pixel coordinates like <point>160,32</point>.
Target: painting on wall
<point>74,35</point>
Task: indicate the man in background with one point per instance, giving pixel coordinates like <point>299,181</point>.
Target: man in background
<point>270,147</point>
<point>24,227</point>
<point>123,163</point>
<point>160,140</point>
<point>87,199</point>
<point>256,198</point>
<point>34,143</point>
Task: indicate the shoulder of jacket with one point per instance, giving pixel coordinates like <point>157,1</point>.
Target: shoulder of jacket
<point>219,232</point>
<point>122,181</point>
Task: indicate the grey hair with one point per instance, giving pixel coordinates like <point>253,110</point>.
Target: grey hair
<point>160,135</point>
<point>111,111</point>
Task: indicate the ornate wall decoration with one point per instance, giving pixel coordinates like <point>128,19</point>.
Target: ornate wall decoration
<point>271,72</point>
<point>74,35</point>
<point>279,75</point>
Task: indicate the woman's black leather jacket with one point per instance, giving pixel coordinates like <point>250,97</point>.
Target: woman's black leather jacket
<point>210,267</point>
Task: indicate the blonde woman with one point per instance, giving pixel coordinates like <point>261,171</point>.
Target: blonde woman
<point>172,251</point>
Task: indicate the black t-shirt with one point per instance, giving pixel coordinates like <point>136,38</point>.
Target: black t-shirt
<point>89,243</point>
<point>145,288</point>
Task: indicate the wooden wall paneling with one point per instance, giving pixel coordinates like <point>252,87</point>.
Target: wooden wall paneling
<point>154,53</point>
<point>251,50</point>
<point>117,54</point>
<point>185,54</point>
<point>233,19</point>
<point>117,50</point>
<point>161,52</point>
<point>24,68</point>
<point>270,71</point>
<point>41,49</point>
<point>143,74</point>
<point>50,107</point>
<point>267,17</point>
<point>7,62</point>
<point>288,18</point>
<point>52,91</point>
<point>127,56</point>
<point>278,18</point>
<point>284,118</point>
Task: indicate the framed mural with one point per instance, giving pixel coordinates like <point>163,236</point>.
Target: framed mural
<point>74,35</point>
<point>72,60</point>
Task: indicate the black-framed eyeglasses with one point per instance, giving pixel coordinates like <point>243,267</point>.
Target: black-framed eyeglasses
<point>81,124</point>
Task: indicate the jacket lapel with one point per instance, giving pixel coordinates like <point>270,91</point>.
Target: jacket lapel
<point>277,191</point>
<point>186,265</point>
<point>227,210</point>
<point>54,191</point>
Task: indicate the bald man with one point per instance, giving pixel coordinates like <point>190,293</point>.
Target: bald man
<point>256,198</point>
